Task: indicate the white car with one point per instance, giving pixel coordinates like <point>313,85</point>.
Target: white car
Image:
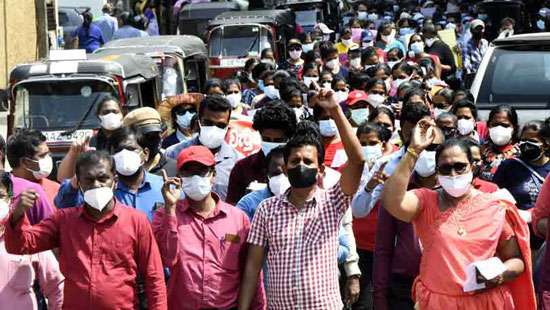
<point>515,71</point>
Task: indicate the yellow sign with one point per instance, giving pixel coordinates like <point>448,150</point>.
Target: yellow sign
<point>449,37</point>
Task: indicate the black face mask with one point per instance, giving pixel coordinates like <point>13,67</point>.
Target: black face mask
<point>302,176</point>
<point>530,151</point>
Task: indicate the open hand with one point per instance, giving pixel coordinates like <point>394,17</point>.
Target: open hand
<point>81,146</point>
<point>171,192</point>
<point>423,135</point>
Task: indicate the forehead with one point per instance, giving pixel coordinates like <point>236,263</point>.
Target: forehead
<point>92,170</point>
<point>530,134</point>
<point>305,151</point>
<point>452,155</point>
<point>215,115</point>
<point>369,136</point>
<point>110,104</point>
<point>130,141</point>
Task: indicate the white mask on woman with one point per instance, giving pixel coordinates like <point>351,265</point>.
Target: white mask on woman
<point>465,126</point>
<point>500,135</point>
<point>111,121</point>
<point>456,186</point>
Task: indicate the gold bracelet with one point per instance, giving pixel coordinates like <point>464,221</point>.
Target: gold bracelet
<point>412,152</point>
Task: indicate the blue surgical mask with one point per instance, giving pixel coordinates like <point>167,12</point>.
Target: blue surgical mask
<point>405,31</point>
<point>359,116</point>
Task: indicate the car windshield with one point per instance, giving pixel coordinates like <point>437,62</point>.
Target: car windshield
<point>516,76</point>
<point>238,40</point>
<point>306,18</point>
<point>59,104</point>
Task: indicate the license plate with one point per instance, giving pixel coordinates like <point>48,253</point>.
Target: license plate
<point>234,62</point>
<point>55,136</point>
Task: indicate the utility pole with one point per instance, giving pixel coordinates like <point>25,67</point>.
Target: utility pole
<point>41,28</point>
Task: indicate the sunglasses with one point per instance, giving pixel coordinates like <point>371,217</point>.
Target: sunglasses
<point>295,48</point>
<point>447,169</point>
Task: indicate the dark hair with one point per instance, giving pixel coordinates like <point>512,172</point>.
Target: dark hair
<point>358,80</point>
<point>214,103</point>
<point>510,113</point>
<point>337,78</point>
<point>399,52</point>
<point>533,125</point>
<point>447,144</point>
<point>545,130</point>
<point>151,140</point>
<point>383,25</point>
<point>93,158</point>
<point>281,75</point>
<point>403,66</point>
<point>326,49</point>
<point>259,70</point>
<point>227,83</point>
<point>414,92</point>
<point>264,51</point>
<point>120,135</point>
<point>307,133</point>
<point>446,93</point>
<point>23,143</point>
<point>125,18</point>
<point>87,20</point>
<point>3,149</point>
<point>384,67</point>
<point>213,83</point>
<point>382,110</point>
<point>278,151</point>
<point>104,100</point>
<point>310,56</point>
<point>251,62</point>
<point>373,82</point>
<point>288,92</point>
<point>368,127</point>
<point>309,66</point>
<point>445,115</point>
<point>275,115</point>
<point>368,53</point>
<point>465,103</point>
<point>413,113</point>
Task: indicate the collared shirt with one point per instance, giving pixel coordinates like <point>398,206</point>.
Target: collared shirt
<point>148,195</point>
<point>303,244</point>
<point>250,202</point>
<point>50,188</point>
<point>42,208</point>
<point>472,54</point>
<point>225,158</point>
<point>89,39</point>
<point>108,26</point>
<point>127,31</point>
<point>17,275</point>
<point>245,171</point>
<point>205,255</point>
<point>99,259</point>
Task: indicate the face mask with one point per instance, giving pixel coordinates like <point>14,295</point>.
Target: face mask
<point>438,111</point>
<point>398,82</point>
<point>541,24</point>
<point>347,42</point>
<point>327,85</point>
<point>341,95</point>
<point>430,42</point>
<point>375,100</point>
<point>359,116</point>
<point>362,15</point>
<point>465,126</point>
<point>267,147</point>
<point>302,176</point>
<point>234,99</point>
<point>212,136</point>
<point>271,92</point>
<point>333,64</point>
<point>530,151</point>
<point>355,62</point>
<point>456,186</point>
<point>372,152</point>
<point>328,128</point>
<point>278,184</point>
<point>417,48</point>
<point>389,38</point>
<point>425,165</point>
<point>196,187</point>
<point>405,31</point>
<point>392,63</point>
<point>372,17</point>
<point>45,166</point>
<point>98,198</point>
<point>269,62</point>
<point>367,44</point>
<point>110,121</point>
<point>4,210</point>
<point>184,121</point>
<point>295,55</point>
<point>356,34</point>
<point>127,162</point>
<point>307,47</point>
<point>500,135</point>
<point>308,80</point>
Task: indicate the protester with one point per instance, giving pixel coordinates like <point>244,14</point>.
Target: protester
<point>126,30</point>
<point>434,46</point>
<point>183,109</point>
<point>473,51</point>
<point>232,92</point>
<point>467,126</point>
<point>88,36</point>
<point>19,272</point>
<point>106,22</point>
<point>294,63</point>
<point>447,122</point>
<point>105,270</point>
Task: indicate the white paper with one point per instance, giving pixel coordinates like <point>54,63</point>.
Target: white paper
<point>489,269</point>
<point>525,215</point>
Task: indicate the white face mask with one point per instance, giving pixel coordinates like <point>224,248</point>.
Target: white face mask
<point>438,111</point>
<point>328,128</point>
<point>98,198</point>
<point>111,121</point>
<point>308,80</point>
<point>355,62</point>
<point>425,165</point>
<point>375,100</point>
<point>271,92</point>
<point>465,126</point>
<point>362,15</point>
<point>367,44</point>
<point>500,135</point>
<point>456,186</point>
<point>307,47</point>
<point>347,42</point>
<point>333,65</point>
<point>196,187</point>
<point>327,85</point>
<point>184,121</point>
<point>212,136</point>
<point>429,42</point>
<point>267,147</point>
<point>372,152</point>
<point>295,55</point>
<point>127,162</point>
<point>45,166</point>
<point>389,38</point>
<point>279,184</point>
<point>341,95</point>
<point>234,99</point>
<point>391,64</point>
<point>4,209</point>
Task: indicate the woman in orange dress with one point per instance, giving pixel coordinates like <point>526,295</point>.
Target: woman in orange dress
<point>458,225</point>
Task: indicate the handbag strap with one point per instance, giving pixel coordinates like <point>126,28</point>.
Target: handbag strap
<point>536,174</point>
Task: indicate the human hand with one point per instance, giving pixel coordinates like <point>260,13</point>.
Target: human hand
<point>353,288</point>
<point>324,98</point>
<point>25,202</point>
<point>423,135</point>
<point>492,283</point>
<point>379,177</point>
<point>171,192</point>
<point>80,146</point>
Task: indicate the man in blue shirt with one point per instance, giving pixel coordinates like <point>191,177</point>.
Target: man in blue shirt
<point>107,23</point>
<point>126,30</point>
<point>135,187</point>
<point>89,35</point>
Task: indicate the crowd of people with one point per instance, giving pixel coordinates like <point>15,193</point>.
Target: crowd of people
<point>376,186</point>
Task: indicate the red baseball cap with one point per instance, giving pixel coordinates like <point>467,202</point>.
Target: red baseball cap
<point>196,153</point>
<point>356,96</point>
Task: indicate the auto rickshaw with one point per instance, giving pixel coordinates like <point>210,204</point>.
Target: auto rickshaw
<point>497,10</point>
<point>182,60</point>
<point>194,17</point>
<point>236,36</point>
<point>310,12</point>
<point>59,95</point>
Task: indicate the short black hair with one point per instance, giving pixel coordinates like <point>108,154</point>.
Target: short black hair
<point>120,135</point>
<point>275,115</point>
<point>373,82</point>
<point>545,130</point>
<point>461,143</point>
<point>259,69</point>
<point>367,127</point>
<point>307,133</point>
<point>368,53</point>
<point>104,100</point>
<point>213,83</point>
<point>404,67</point>
<point>215,103</point>
<point>535,125</point>
<point>413,113</point>
<point>465,103</point>
<point>446,93</point>
<point>227,83</point>
<point>357,79</point>
<point>7,183</point>
<point>326,49</point>
<point>92,158</point>
<point>382,110</point>
<point>24,143</point>
<point>278,151</point>
<point>414,92</point>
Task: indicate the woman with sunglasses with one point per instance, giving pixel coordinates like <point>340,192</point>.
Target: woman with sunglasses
<point>294,63</point>
<point>457,226</point>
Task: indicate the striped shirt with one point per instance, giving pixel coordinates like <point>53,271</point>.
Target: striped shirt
<point>473,53</point>
<point>303,246</point>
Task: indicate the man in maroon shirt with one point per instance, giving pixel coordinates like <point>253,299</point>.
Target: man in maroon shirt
<point>103,246</point>
<point>276,123</point>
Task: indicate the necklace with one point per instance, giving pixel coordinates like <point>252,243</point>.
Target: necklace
<point>456,213</point>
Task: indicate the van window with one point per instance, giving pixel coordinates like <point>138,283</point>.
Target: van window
<point>236,40</point>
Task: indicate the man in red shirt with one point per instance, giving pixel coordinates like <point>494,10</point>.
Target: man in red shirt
<point>103,246</point>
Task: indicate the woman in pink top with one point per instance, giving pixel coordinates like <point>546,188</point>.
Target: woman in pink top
<point>458,225</point>
<point>18,272</point>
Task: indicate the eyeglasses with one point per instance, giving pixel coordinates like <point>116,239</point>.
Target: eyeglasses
<point>294,48</point>
<point>447,169</point>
